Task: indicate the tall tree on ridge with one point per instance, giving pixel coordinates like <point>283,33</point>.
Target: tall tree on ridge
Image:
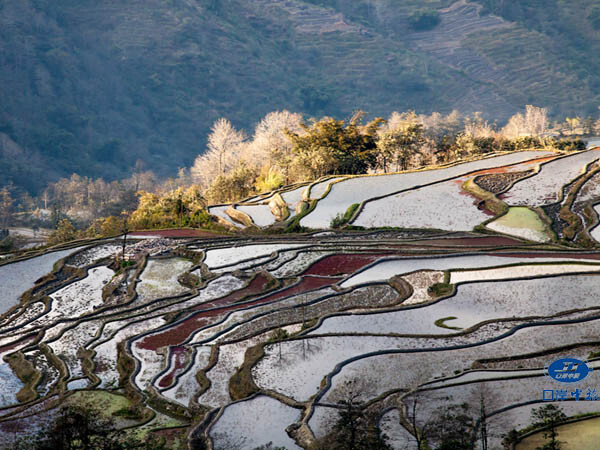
<point>224,148</point>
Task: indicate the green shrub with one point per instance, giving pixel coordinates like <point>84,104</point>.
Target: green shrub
<point>128,413</point>
<point>278,335</point>
<point>350,211</point>
<point>65,232</point>
<point>440,289</point>
<point>337,221</point>
<point>7,244</point>
<point>441,323</point>
<point>570,145</point>
<point>295,227</point>
<point>269,179</point>
<point>593,355</point>
<point>341,219</point>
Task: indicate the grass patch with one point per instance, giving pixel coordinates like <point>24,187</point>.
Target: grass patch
<point>440,323</point>
<point>594,355</point>
<point>308,324</point>
<point>203,381</point>
<point>491,202</point>
<point>167,408</point>
<point>126,367</point>
<point>278,335</point>
<point>108,405</point>
<point>440,289</point>
<point>241,384</point>
<point>60,365</point>
<point>523,222</point>
<point>294,226</point>
<point>355,228</point>
<point>341,219</point>
<point>88,365</point>
<point>128,413</point>
<point>27,373</point>
<point>522,217</point>
<point>160,422</point>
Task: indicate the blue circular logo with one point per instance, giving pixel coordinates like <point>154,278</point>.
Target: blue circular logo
<point>569,370</point>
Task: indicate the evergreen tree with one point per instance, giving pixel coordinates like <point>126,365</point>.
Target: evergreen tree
<point>549,416</point>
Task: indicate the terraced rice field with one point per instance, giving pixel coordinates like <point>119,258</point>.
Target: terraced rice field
<point>18,277</point>
<point>546,187</point>
<point>444,205</point>
<point>244,340</point>
<point>360,189</point>
<point>261,214</point>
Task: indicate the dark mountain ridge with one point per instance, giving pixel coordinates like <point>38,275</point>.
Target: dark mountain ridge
<point>93,86</point>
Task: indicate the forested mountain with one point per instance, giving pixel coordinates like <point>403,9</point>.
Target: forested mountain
<point>93,85</point>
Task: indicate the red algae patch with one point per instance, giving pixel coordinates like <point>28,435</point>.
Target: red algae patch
<point>177,334</point>
<point>258,285</point>
<point>180,357</point>
<point>342,264</point>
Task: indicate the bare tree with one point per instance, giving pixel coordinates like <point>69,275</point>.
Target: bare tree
<point>399,140</point>
<point>357,426</point>
<point>596,127</point>
<point>484,399</point>
<point>137,171</point>
<point>536,120</point>
<point>224,147</point>
<point>572,124</point>
<point>478,127</point>
<point>483,421</point>
<point>421,428</point>
<point>271,143</point>
<point>515,126</point>
<point>6,207</point>
<point>533,123</point>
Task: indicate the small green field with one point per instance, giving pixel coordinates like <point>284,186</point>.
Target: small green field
<point>583,435</point>
<point>108,405</point>
<point>521,221</point>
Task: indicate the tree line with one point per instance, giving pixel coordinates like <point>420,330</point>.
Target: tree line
<point>356,426</point>
<point>284,148</point>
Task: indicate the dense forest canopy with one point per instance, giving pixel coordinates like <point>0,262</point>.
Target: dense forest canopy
<point>93,87</point>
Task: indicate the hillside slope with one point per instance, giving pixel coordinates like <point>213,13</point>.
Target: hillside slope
<point>93,86</point>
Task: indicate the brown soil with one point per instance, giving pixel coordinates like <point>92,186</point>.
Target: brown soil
<point>176,233</point>
<point>486,241</point>
<point>499,182</point>
<point>573,255</point>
